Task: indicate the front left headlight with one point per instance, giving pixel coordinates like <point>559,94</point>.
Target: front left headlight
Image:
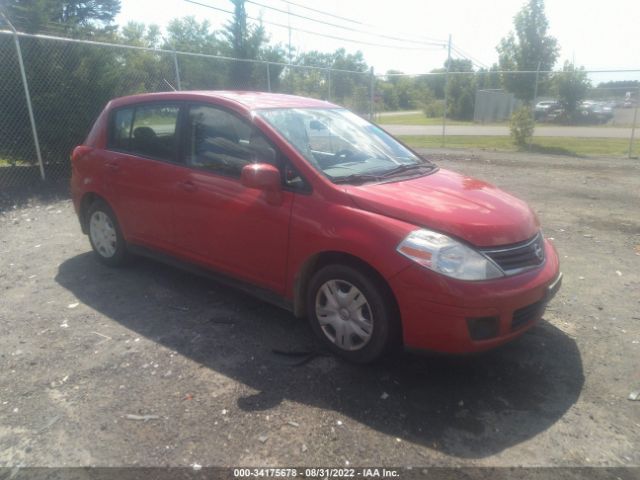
<point>447,256</point>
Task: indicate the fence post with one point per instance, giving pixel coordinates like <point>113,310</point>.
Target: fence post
<point>268,78</point>
<point>633,125</point>
<point>32,119</point>
<point>372,91</point>
<point>175,65</point>
<point>446,85</point>
<point>329,84</point>
<point>535,102</point>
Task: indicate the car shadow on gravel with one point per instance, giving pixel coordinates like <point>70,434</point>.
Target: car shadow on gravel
<point>468,407</point>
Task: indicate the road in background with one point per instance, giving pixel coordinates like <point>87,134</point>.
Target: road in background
<point>497,130</point>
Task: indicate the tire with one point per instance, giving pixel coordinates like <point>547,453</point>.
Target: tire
<point>351,313</point>
<point>105,235</point>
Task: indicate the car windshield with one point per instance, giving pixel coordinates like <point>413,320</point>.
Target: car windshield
<point>343,146</point>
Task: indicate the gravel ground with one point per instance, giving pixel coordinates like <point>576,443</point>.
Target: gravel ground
<point>87,353</point>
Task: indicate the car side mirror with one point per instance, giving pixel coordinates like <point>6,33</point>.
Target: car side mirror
<point>266,177</point>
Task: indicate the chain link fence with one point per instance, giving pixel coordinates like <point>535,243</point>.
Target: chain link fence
<point>65,83</point>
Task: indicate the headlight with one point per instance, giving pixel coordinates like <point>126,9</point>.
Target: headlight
<point>444,255</point>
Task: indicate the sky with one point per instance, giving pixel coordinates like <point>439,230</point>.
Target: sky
<point>595,34</point>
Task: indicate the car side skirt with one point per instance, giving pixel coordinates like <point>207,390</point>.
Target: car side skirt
<point>249,288</point>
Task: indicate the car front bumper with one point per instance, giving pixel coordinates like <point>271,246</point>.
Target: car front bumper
<point>453,316</point>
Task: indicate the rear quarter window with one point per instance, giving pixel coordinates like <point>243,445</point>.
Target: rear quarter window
<point>120,129</point>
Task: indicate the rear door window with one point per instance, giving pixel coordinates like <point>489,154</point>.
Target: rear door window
<point>146,130</point>
<point>153,133</point>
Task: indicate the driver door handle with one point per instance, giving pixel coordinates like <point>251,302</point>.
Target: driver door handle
<point>188,186</point>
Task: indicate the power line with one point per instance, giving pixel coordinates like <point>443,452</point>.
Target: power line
<point>357,22</point>
<point>465,57</point>
<point>335,25</point>
<point>469,57</point>
<point>310,32</point>
<point>346,19</point>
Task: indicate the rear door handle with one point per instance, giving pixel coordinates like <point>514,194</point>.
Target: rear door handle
<point>188,186</point>
<point>113,166</point>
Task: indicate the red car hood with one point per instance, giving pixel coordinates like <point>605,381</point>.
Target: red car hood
<point>448,202</point>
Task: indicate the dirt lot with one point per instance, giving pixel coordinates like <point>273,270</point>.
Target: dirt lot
<point>83,346</point>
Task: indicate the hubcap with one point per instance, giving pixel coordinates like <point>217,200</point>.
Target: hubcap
<point>103,234</point>
<point>344,314</point>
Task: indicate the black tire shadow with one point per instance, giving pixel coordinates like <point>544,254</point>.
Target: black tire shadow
<point>469,407</point>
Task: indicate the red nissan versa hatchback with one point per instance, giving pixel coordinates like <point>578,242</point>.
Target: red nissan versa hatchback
<point>308,205</point>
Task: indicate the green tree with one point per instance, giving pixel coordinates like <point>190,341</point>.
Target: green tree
<point>488,79</point>
<point>348,89</point>
<point>437,82</point>
<point>572,85</point>
<point>461,90</point>
<point>387,94</point>
<point>530,46</point>
<point>311,82</point>
<point>346,86</point>
<point>62,16</point>
<point>409,93</point>
<point>243,41</point>
<point>187,34</point>
<point>57,72</point>
<point>616,89</point>
<point>142,70</point>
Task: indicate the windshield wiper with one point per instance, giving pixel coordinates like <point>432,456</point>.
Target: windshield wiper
<point>405,168</point>
<point>357,178</point>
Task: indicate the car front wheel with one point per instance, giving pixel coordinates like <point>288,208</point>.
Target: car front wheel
<point>351,313</point>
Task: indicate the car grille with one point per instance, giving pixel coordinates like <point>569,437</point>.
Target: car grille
<point>520,256</point>
<point>524,315</point>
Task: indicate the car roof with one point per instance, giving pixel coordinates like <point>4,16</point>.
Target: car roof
<point>244,99</point>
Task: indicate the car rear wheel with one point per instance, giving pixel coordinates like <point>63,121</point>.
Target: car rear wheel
<point>104,234</point>
<point>351,313</point>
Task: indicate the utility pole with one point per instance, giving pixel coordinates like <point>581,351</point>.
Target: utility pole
<point>177,69</point>
<point>268,78</point>
<point>446,85</point>
<point>290,51</point>
<point>535,88</point>
<point>535,101</point>
<point>633,125</point>
<point>289,25</point>
<point>372,92</point>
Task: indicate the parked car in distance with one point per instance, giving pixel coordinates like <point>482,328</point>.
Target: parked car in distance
<point>315,209</point>
<point>596,112</point>
<point>546,110</point>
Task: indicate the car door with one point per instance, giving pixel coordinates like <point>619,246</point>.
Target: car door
<point>235,229</point>
<point>141,170</point>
